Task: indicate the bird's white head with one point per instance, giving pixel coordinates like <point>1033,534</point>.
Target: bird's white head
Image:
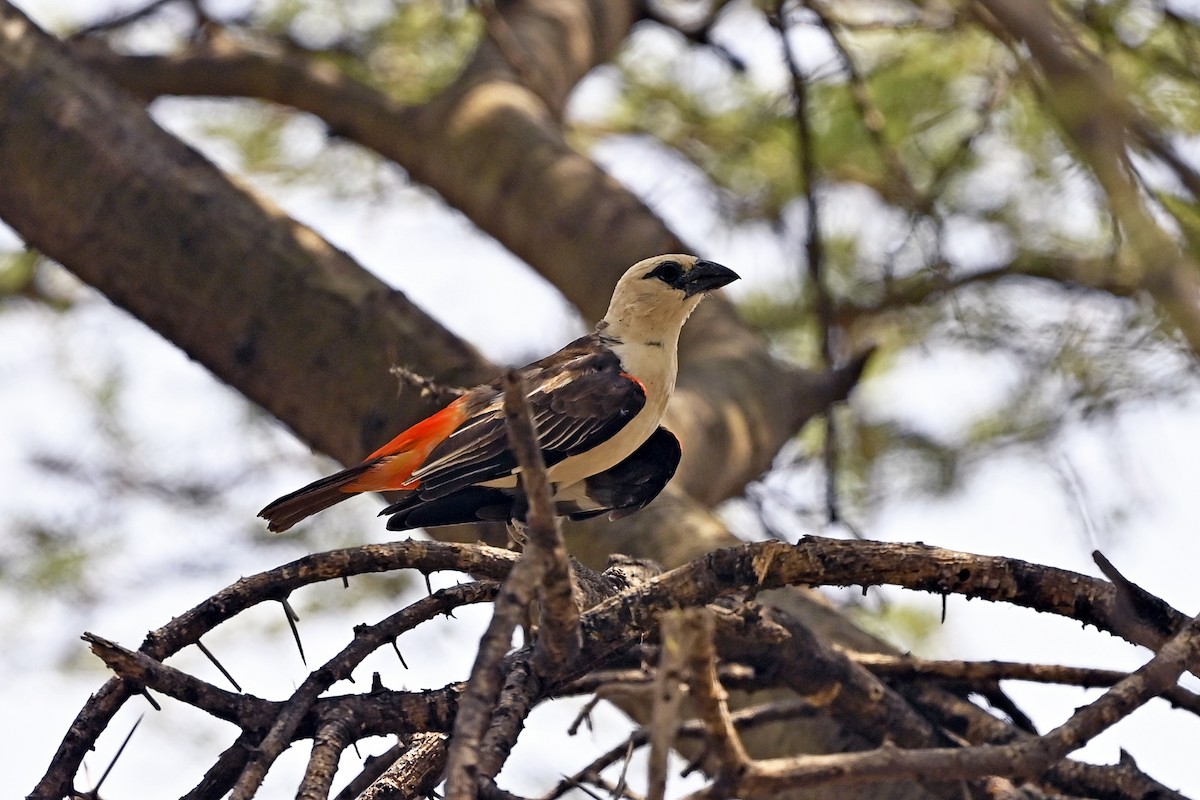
<point>656,296</point>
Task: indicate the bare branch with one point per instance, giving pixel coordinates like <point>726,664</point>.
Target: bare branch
<point>1028,758</point>
<point>333,736</point>
<point>721,737</point>
<point>667,714</point>
<point>480,699</point>
<point>558,631</point>
<point>414,773</point>
<point>975,672</point>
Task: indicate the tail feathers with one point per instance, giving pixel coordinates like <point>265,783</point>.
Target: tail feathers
<point>317,496</point>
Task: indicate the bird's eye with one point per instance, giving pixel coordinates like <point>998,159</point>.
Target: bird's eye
<point>668,272</point>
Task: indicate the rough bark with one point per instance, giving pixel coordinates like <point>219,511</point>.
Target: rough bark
<point>262,301</point>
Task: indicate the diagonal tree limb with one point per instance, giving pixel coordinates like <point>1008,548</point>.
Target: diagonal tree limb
<point>93,182</point>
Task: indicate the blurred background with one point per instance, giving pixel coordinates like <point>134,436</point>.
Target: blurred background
<point>1027,398</point>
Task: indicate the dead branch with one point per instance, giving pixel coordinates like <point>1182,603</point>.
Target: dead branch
<point>332,737</point>
<point>558,631</point>
<point>973,673</point>
<point>414,773</point>
<point>723,742</point>
<point>614,625</point>
<point>1029,758</point>
<point>667,715</point>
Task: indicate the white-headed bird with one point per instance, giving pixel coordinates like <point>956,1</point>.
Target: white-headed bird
<point>596,406</point>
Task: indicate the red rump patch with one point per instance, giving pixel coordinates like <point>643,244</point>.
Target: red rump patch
<point>403,455</point>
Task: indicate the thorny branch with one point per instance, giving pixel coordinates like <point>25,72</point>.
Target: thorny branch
<point>631,616</point>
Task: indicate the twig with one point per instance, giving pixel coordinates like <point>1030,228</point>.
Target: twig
<point>523,687</point>
<point>333,736</point>
<point>667,713</point>
<point>606,682</point>
<point>814,243</point>
<point>558,633</point>
<point>712,707</point>
<point>970,672</point>
<point>367,639</point>
<point>427,386</point>
<point>414,773</point>
<point>543,570</point>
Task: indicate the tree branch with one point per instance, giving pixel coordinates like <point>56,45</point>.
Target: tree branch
<point>1083,96</point>
<point>558,628</point>
<point>986,672</point>
<point>1027,758</point>
<point>414,773</point>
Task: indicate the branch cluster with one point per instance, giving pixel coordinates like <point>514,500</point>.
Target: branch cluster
<point>897,709</point>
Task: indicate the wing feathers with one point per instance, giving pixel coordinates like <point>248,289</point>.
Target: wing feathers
<point>578,397</point>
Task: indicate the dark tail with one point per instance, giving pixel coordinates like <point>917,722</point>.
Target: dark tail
<point>472,504</point>
<point>319,495</point>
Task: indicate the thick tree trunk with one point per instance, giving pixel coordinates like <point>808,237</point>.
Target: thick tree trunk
<point>263,302</point>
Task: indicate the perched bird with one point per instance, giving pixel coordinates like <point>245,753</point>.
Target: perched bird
<point>617,491</point>
<point>596,406</point>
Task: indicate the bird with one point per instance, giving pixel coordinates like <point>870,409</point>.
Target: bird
<point>596,405</point>
<point>617,491</point>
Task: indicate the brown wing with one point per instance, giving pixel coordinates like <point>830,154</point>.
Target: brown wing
<point>578,397</point>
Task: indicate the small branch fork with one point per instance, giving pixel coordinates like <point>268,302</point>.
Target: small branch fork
<point>900,718</point>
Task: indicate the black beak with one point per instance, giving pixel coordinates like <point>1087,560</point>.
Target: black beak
<point>705,276</point>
